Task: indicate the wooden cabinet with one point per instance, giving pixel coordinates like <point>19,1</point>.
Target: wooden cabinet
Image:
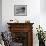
<point>22,33</point>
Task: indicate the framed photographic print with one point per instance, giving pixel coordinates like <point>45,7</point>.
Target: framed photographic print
<point>20,10</point>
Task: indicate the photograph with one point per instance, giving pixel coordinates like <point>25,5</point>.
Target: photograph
<point>20,10</point>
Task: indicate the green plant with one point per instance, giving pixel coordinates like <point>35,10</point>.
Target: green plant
<point>40,34</point>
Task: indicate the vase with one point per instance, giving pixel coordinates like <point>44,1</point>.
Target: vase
<point>41,43</point>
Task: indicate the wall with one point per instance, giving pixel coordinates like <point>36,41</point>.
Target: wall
<point>43,6</point>
<point>33,10</point>
<point>33,14</point>
<point>0,15</point>
<point>43,13</point>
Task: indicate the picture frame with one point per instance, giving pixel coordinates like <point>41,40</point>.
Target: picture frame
<point>20,10</point>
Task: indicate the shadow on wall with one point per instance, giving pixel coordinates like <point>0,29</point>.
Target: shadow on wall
<point>43,6</point>
<point>0,15</point>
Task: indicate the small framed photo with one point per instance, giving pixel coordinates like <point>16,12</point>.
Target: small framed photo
<point>20,10</point>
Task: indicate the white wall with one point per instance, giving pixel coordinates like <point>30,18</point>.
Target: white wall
<point>43,14</point>
<point>43,6</point>
<point>0,15</point>
<point>33,14</point>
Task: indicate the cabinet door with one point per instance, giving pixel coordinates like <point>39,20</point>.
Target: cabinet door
<point>20,37</point>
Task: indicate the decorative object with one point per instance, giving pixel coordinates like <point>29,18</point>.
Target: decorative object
<point>20,10</point>
<point>41,36</point>
<point>27,21</point>
<point>13,21</point>
<point>1,40</point>
<point>7,38</point>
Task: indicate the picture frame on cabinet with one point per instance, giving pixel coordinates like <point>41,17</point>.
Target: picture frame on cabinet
<point>20,10</point>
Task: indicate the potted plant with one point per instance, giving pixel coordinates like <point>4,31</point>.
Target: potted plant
<point>41,36</point>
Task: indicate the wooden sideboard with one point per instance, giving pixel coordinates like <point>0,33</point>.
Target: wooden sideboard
<point>22,33</point>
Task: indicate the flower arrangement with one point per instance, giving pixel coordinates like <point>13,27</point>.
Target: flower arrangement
<point>40,34</point>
